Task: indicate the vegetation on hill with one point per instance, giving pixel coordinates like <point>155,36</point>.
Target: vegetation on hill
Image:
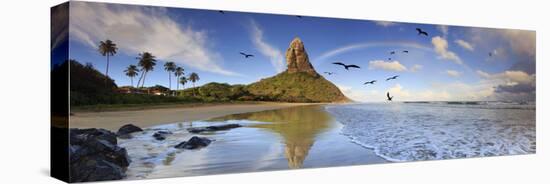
<point>296,87</point>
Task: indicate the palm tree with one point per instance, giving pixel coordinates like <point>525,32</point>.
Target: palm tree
<point>178,72</point>
<point>107,48</point>
<point>194,77</point>
<point>131,72</point>
<point>170,67</point>
<point>182,81</point>
<point>147,62</point>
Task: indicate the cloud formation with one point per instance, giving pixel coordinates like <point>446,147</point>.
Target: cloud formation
<point>444,29</point>
<point>416,68</point>
<point>511,84</point>
<point>275,56</point>
<point>464,44</point>
<point>385,23</point>
<point>139,29</point>
<point>390,66</point>
<point>453,73</point>
<point>441,47</point>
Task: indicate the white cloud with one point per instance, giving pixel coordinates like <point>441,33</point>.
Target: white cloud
<point>483,74</point>
<point>453,73</point>
<point>509,77</point>
<point>465,44</point>
<point>416,68</point>
<point>149,29</point>
<point>441,47</point>
<point>385,23</point>
<point>275,55</point>
<point>391,66</point>
<point>360,95</point>
<point>444,29</point>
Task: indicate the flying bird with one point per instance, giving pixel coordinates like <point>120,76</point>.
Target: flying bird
<point>392,52</point>
<point>222,12</point>
<point>394,77</point>
<point>389,97</point>
<point>369,82</point>
<point>421,32</point>
<point>246,55</point>
<point>405,51</point>
<point>389,59</point>
<point>490,54</point>
<point>329,73</point>
<point>346,66</point>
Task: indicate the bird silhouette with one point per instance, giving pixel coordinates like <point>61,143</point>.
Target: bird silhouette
<point>421,32</point>
<point>389,97</point>
<point>369,82</point>
<point>490,54</point>
<point>329,73</point>
<point>393,77</point>
<point>392,52</point>
<point>222,12</point>
<point>389,59</point>
<point>405,51</point>
<point>346,66</point>
<point>246,55</point>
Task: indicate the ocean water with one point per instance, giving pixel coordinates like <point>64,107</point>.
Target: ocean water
<point>439,130</point>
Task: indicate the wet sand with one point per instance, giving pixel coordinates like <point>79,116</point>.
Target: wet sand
<point>286,138</point>
<point>112,120</point>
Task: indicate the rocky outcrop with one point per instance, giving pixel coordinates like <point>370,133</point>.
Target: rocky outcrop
<point>297,59</point>
<point>161,135</point>
<point>299,83</point>
<point>128,129</point>
<point>194,143</point>
<point>213,128</point>
<point>95,156</point>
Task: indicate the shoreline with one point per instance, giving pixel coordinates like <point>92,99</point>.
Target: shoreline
<point>147,116</point>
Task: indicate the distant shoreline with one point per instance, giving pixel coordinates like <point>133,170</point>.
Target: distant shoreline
<point>144,116</point>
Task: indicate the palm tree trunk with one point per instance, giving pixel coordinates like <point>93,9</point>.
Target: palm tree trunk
<point>106,72</point>
<point>132,81</point>
<point>194,89</point>
<point>139,81</point>
<point>177,85</point>
<point>143,82</point>
<point>170,82</point>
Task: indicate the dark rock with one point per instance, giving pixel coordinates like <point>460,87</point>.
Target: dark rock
<point>95,156</point>
<point>128,129</point>
<point>194,143</point>
<point>213,128</point>
<point>161,135</point>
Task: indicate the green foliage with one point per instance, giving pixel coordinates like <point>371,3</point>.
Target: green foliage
<point>296,87</point>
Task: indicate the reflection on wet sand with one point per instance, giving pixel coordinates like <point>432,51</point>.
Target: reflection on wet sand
<point>298,127</point>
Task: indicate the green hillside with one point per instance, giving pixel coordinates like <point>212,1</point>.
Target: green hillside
<point>296,87</point>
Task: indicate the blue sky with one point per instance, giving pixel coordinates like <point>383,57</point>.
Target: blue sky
<point>452,63</point>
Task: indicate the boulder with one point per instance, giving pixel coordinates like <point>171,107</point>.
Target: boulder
<point>95,156</point>
<point>128,129</point>
<point>161,135</point>
<point>213,128</point>
<point>194,143</point>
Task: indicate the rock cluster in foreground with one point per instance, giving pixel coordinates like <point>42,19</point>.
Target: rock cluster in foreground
<point>95,156</point>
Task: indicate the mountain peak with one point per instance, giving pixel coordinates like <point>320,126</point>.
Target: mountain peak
<point>297,59</point>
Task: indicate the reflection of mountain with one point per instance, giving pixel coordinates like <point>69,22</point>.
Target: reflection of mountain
<point>297,125</point>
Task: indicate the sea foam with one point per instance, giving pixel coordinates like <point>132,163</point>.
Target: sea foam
<point>431,131</point>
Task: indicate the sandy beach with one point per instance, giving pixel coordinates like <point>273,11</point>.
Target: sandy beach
<point>112,120</point>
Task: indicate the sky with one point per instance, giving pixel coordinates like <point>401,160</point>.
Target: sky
<point>451,63</point>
